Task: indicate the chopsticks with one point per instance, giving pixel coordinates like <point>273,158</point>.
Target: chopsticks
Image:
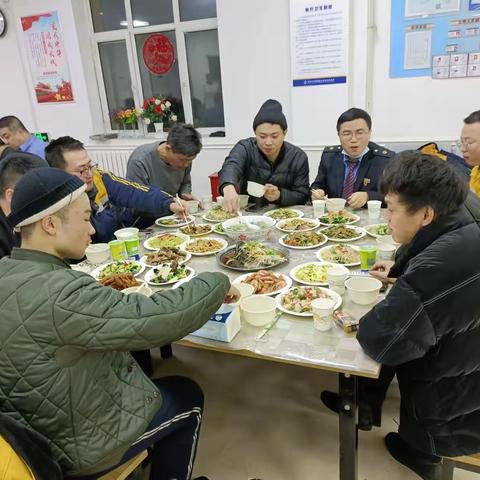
<point>177,199</point>
<point>269,327</point>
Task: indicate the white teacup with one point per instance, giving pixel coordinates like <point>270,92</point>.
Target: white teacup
<point>255,189</point>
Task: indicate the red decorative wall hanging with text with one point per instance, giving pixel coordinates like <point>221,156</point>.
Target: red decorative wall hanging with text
<point>158,54</point>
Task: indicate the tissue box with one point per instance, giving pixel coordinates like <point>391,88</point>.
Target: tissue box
<point>223,325</point>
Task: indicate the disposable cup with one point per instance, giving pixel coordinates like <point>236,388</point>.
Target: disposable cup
<point>336,277</point>
<point>368,255</point>
<point>318,208</point>
<point>118,250</point>
<point>374,207</point>
<point>322,309</point>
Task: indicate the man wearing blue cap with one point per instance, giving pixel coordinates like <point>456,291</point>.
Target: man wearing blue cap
<point>65,368</point>
<point>266,159</point>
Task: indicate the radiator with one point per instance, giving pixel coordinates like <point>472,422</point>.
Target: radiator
<point>114,161</point>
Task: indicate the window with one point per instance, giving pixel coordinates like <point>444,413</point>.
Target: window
<point>166,48</point>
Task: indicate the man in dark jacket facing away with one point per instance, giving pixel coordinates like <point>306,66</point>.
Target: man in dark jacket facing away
<point>266,159</point>
<point>352,170</point>
<point>65,337</point>
<point>428,326</point>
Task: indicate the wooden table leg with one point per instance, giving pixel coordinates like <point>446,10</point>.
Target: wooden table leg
<point>348,426</point>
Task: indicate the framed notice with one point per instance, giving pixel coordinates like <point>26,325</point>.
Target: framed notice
<point>47,58</point>
<point>319,37</point>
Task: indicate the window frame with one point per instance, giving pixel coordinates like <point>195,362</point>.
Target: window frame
<point>128,36</point>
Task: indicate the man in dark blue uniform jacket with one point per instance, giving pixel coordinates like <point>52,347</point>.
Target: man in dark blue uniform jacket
<point>352,170</point>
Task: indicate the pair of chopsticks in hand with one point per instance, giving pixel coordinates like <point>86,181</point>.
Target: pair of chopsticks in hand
<point>177,199</point>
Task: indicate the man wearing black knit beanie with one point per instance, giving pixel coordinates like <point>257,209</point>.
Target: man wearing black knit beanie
<point>268,160</point>
<point>66,371</point>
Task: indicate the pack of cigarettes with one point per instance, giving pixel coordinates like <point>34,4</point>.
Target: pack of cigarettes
<point>345,321</point>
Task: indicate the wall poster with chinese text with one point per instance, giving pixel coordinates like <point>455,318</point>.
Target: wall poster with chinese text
<point>47,58</point>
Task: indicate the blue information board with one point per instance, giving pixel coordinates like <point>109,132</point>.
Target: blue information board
<point>418,33</point>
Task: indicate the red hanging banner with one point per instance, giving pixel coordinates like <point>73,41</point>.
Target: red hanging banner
<point>158,54</point>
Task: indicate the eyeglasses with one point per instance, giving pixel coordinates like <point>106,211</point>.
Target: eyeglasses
<point>89,168</point>
<point>461,144</point>
<point>348,135</point>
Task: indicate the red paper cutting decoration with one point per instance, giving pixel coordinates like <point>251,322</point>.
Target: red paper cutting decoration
<point>158,54</point>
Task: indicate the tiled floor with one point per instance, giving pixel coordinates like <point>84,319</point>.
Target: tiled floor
<point>265,420</point>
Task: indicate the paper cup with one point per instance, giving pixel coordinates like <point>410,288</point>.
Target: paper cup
<point>385,251</point>
<point>318,208</point>
<point>335,204</point>
<point>336,278</point>
<point>322,309</point>
<point>207,202</point>
<point>374,207</point>
<point>219,200</point>
<point>124,233</point>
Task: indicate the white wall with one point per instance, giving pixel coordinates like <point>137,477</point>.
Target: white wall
<point>19,99</point>
<point>419,107</point>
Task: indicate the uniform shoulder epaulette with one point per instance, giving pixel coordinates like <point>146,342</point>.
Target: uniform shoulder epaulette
<point>382,151</point>
<point>332,149</point>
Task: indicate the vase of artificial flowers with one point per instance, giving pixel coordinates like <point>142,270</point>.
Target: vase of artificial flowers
<point>157,111</point>
<point>126,120</point>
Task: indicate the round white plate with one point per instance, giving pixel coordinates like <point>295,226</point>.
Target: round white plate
<point>95,273</point>
<point>294,270</point>
<point>144,260</point>
<point>179,221</point>
<point>324,249</point>
<point>281,223</point>
<point>281,242</point>
<point>351,222</point>
<point>147,246</point>
<point>360,231</point>
<point>299,213</point>
<point>288,282</point>
<point>211,220</point>
<point>220,240</point>
<point>151,273</point>
<point>334,295</point>
<point>375,235</point>
<point>194,235</point>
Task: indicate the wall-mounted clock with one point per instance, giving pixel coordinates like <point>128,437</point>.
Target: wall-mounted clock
<point>3,23</point>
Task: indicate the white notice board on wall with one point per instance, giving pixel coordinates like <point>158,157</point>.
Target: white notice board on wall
<point>319,67</point>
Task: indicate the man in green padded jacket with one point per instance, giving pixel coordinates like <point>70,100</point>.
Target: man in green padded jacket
<point>64,342</point>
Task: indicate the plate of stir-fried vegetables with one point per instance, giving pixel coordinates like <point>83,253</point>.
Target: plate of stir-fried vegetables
<point>340,254</point>
<point>252,256</point>
<point>378,230</point>
<point>340,217</point>
<point>298,300</point>
<point>343,233</point>
<point>303,240</point>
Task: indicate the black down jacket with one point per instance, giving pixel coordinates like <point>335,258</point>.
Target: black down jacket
<point>428,326</point>
<point>289,173</point>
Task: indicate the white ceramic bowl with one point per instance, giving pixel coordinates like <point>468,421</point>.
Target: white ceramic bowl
<point>363,290</point>
<point>126,233</point>
<point>258,310</point>
<point>255,189</point>
<point>243,201</point>
<point>143,290</point>
<point>335,204</point>
<point>98,253</point>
